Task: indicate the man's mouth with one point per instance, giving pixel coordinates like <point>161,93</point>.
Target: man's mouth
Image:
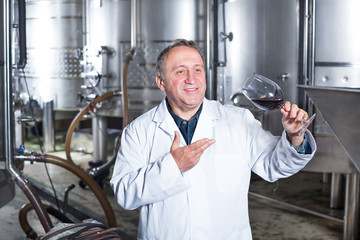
<point>190,89</point>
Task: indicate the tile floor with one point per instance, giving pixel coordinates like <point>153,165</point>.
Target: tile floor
<point>269,220</point>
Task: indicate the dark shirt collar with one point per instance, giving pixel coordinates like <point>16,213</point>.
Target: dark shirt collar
<point>187,128</point>
<point>179,119</point>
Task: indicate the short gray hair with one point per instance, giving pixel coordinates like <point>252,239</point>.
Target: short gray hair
<point>176,43</point>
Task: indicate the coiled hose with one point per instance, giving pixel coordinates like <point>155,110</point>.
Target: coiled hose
<point>26,208</point>
<point>85,178</point>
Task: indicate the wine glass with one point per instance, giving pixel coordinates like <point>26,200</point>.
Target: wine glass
<point>267,95</point>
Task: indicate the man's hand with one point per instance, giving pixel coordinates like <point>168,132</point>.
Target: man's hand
<point>188,156</point>
<point>292,122</point>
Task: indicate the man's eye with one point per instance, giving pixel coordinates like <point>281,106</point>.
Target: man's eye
<point>180,71</point>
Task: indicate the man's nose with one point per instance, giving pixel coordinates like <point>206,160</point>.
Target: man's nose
<point>190,78</point>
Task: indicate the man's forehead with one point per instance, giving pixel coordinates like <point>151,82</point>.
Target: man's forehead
<point>184,65</point>
<point>182,49</point>
<point>185,56</point>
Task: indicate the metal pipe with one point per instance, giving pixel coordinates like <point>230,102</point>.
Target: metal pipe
<point>224,36</point>
<point>19,131</point>
<point>105,167</point>
<point>309,33</point>
<point>337,191</point>
<point>289,205</point>
<point>49,126</point>
<point>21,62</point>
<point>10,166</point>
<point>66,197</point>
<point>351,226</point>
<point>215,49</point>
<point>99,130</point>
<point>309,52</point>
<point>133,10</point>
<point>85,21</point>
<point>209,89</point>
<point>326,177</point>
<point>306,43</point>
<point>312,38</point>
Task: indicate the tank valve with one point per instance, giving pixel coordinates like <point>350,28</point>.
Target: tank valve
<point>283,77</point>
<point>224,36</point>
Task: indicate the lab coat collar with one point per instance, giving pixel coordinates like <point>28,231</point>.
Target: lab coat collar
<point>164,119</point>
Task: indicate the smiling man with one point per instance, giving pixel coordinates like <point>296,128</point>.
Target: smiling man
<point>183,80</point>
<point>187,163</point>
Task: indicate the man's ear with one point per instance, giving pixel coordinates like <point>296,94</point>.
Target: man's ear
<point>160,83</point>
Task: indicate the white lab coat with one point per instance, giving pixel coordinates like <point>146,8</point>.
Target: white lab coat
<point>210,201</point>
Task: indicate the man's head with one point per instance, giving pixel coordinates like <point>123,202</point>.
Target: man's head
<point>181,74</point>
<point>176,43</point>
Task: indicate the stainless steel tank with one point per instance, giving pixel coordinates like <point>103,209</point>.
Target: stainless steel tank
<point>335,80</point>
<point>158,22</point>
<point>113,28</point>
<point>337,49</point>
<point>108,26</point>
<point>270,39</point>
<point>336,63</point>
<point>265,40</point>
<point>54,34</point>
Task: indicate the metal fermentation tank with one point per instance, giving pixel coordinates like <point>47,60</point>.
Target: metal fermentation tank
<point>307,42</point>
<point>54,33</point>
<point>335,80</point>
<point>159,23</point>
<point>156,23</point>
<point>336,29</point>
<point>113,28</point>
<point>265,41</point>
<point>107,25</point>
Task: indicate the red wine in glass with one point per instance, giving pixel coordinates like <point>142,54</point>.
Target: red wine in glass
<point>267,95</point>
<point>268,103</point>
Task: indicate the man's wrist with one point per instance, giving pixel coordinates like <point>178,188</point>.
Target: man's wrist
<point>303,148</point>
<point>295,139</point>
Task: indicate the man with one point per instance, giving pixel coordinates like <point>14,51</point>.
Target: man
<point>194,185</point>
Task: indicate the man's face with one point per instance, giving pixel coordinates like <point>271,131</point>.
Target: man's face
<point>184,82</point>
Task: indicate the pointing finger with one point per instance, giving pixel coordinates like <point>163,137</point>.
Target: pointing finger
<point>201,145</point>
